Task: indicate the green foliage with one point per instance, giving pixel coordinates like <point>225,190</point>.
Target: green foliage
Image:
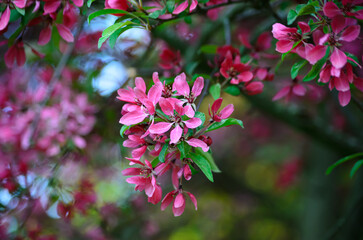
<point>163,152</point>
<point>203,165</point>
<point>184,149</point>
<point>233,90</point>
<point>343,160</point>
<point>123,129</point>
<point>224,123</point>
<point>215,90</point>
<point>209,49</point>
<point>296,68</point>
<point>208,156</point>
<point>316,69</point>
<point>301,10</point>
<point>355,168</point>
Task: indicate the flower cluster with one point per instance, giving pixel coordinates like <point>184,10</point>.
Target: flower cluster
<point>164,120</point>
<point>328,33</point>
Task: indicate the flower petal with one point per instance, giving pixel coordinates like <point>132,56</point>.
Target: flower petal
<point>193,122</point>
<point>65,33</point>
<point>344,98</point>
<point>198,86</point>
<point>160,127</point>
<point>198,143</point>
<point>350,33</point>
<point>176,134</point>
<point>338,58</point>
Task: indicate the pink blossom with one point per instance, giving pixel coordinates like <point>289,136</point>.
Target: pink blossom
<point>288,91</point>
<point>331,10</point>
<point>235,70</point>
<point>15,53</point>
<point>217,115</point>
<point>184,5</point>
<point>179,201</point>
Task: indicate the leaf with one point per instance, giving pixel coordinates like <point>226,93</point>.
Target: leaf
<point>307,9</point>
<point>155,162</point>
<point>190,67</point>
<point>110,30</point>
<point>170,5</point>
<point>225,123</point>
<point>233,90</point>
<point>20,10</point>
<point>201,116</point>
<point>188,19</point>
<point>355,168</point>
<point>342,160</point>
<point>291,16</point>
<point>104,12</point>
<point>89,2</point>
<point>115,35</point>
<point>209,48</point>
<point>184,149</point>
<point>210,160</point>
<point>316,68</point>
<point>203,165</point>
<point>157,13</point>
<point>163,152</point>
<point>123,129</point>
<point>296,68</point>
<point>215,91</point>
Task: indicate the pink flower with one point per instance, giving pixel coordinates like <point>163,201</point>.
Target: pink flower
<point>136,141</point>
<point>15,53</point>
<point>170,59</point>
<point>4,19</point>
<point>184,5</point>
<point>182,88</point>
<point>179,201</point>
<point>176,120</point>
<point>331,10</point>
<point>217,115</point>
<point>263,43</point>
<point>235,70</point>
<point>253,88</point>
<point>117,4</point>
<point>294,89</point>
<point>194,142</point>
<point>144,179</point>
<point>289,36</point>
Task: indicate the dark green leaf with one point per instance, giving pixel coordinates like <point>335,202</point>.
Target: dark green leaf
<point>201,116</point>
<point>89,2</point>
<point>20,10</point>
<point>210,159</point>
<point>296,68</point>
<point>170,5</point>
<point>203,165</point>
<point>188,19</point>
<point>155,162</point>
<point>215,90</point>
<point>233,90</point>
<point>342,160</point>
<point>224,123</point>
<point>163,152</point>
<point>355,168</point>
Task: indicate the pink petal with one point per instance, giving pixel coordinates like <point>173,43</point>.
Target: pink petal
<point>176,134</point>
<point>79,141</point>
<point>284,46</point>
<point>341,84</point>
<point>244,39</point>
<point>298,90</point>
<point>45,35</point>
<point>4,19</point>
<point>138,152</point>
<point>167,200</point>
<point>78,3</point>
<point>324,75</point>
<point>179,200</point>
<point>126,95</point>
<point>155,93</point>
<point>305,28</point>
<point>254,88</point>
<point>245,76</point>
<point>344,98</point>
<point>187,172</point>
<point>133,118</point>
<point>51,6</point>
<point>156,77</point>
<point>160,127</point>
<point>350,33</point>
<point>331,10</point>
<point>140,84</point>
<point>194,200</point>
<point>338,58</point>
<point>131,172</point>
<point>181,7</point>
<point>181,86</point>
<point>198,86</point>
<point>227,111</point>
<point>216,105</point>
<point>193,5</point>
<point>282,93</point>
<point>156,197</point>
<point>198,143</point>
<point>166,106</point>
<point>315,54</point>
<point>193,122</point>
<point>263,41</point>
<point>136,180</point>
<point>189,111</point>
<point>19,3</point>
<point>338,23</point>
<point>65,33</point>
<point>280,31</point>
<point>178,211</point>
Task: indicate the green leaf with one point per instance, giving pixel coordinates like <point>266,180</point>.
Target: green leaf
<point>157,13</point>
<point>115,11</point>
<point>123,129</point>
<point>355,168</point>
<point>89,2</point>
<point>201,116</point>
<point>155,162</point>
<point>184,149</point>
<point>170,5</point>
<point>285,54</point>
<point>209,48</point>
<point>163,152</point>
<point>291,16</point>
<point>307,9</point>
<point>224,123</point>
<point>296,68</point>
<point>20,10</point>
<point>233,90</point>
<point>316,68</point>
<point>203,165</point>
<point>215,91</point>
<point>209,158</point>
<point>110,30</point>
<point>188,19</point>
<point>190,67</point>
<point>115,35</point>
<point>342,160</point>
